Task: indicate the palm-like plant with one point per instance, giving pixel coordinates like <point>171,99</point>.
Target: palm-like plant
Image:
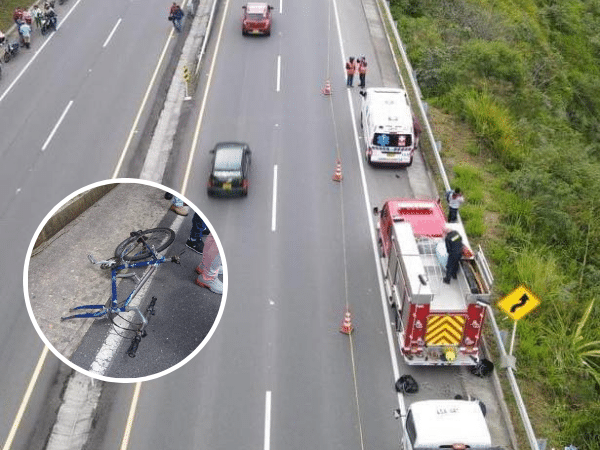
<point>586,351</point>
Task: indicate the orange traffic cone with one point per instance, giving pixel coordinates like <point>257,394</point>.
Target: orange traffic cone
<point>347,327</point>
<point>327,89</point>
<point>337,176</point>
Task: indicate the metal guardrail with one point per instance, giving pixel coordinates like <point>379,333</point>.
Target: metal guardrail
<point>504,356</point>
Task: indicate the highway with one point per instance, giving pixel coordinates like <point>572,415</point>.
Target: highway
<point>277,373</point>
<point>105,85</point>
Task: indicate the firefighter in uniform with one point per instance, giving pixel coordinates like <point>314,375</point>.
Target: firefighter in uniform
<point>454,247</point>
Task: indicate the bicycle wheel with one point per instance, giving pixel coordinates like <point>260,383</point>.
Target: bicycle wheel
<point>132,250</point>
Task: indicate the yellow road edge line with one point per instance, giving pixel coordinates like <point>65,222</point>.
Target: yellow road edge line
<point>131,416</point>
<point>26,397</point>
<point>188,168</point>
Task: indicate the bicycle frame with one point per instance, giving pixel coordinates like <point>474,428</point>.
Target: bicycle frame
<point>103,310</point>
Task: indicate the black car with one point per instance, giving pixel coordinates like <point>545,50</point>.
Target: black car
<point>230,168</point>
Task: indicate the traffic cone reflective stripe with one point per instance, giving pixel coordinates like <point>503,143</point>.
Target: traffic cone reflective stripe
<point>337,176</point>
<point>347,327</point>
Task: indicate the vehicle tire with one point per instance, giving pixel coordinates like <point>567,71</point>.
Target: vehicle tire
<point>131,250</point>
<point>44,30</point>
<point>361,121</point>
<point>245,192</point>
<point>6,57</point>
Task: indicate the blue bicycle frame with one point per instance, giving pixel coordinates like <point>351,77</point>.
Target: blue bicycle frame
<point>103,310</point>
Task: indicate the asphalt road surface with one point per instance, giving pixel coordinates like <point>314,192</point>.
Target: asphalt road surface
<point>44,160</point>
<point>277,373</point>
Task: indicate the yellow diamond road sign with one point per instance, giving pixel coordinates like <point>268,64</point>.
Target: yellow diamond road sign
<point>519,302</point>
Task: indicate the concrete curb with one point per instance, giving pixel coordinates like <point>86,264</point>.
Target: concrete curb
<point>70,211</point>
<point>166,128</point>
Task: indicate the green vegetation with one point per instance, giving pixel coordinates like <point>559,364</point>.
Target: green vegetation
<point>523,77</point>
<point>7,8</point>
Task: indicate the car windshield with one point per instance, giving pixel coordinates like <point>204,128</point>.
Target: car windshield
<point>228,159</point>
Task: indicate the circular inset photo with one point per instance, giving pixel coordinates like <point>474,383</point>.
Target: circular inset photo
<point>125,280</point>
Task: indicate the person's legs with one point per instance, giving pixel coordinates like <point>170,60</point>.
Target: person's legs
<point>208,270</point>
<point>195,240</point>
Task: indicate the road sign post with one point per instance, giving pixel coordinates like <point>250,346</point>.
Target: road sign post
<point>186,78</point>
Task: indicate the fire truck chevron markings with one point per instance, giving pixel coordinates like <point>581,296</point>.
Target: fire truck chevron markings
<point>444,330</point>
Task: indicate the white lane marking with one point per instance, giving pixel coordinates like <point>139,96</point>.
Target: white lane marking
<point>111,33</point>
<point>267,420</point>
<point>62,116</point>
<point>131,416</point>
<point>280,6</point>
<point>274,210</point>
<point>111,344</point>
<point>389,333</point>
<point>35,55</point>
<point>26,397</point>
<point>278,73</point>
<point>188,169</point>
<point>142,107</point>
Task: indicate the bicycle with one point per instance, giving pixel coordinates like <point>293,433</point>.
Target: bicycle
<point>139,250</point>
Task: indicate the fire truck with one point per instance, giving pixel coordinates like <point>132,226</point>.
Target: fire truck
<point>436,323</point>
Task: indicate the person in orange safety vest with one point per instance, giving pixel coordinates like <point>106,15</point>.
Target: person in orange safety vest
<point>350,69</point>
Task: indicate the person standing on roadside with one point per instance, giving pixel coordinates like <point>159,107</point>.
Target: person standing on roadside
<point>175,15</point>
<point>362,71</point>
<point>37,16</point>
<point>455,199</point>
<point>350,69</point>
<point>25,32</point>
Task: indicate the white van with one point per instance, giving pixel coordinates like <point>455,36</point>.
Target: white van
<point>452,424</point>
<point>387,123</point>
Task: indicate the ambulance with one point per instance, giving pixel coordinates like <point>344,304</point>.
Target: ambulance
<point>389,129</point>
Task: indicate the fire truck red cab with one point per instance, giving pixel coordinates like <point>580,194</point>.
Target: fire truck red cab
<point>436,323</point>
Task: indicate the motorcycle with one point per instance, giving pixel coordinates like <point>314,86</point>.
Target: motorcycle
<point>10,51</point>
<point>49,22</point>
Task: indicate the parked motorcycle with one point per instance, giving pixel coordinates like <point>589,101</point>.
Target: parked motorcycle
<point>10,50</point>
<point>49,22</point>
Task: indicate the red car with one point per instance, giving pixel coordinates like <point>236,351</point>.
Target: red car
<point>257,19</point>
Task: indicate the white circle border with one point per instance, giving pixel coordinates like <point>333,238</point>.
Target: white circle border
<point>93,374</point>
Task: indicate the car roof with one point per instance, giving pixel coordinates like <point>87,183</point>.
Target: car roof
<point>256,8</point>
<point>228,156</point>
<point>459,421</point>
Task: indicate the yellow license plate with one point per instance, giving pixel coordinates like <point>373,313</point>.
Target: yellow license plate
<point>227,186</point>
<point>255,31</point>
<point>391,155</point>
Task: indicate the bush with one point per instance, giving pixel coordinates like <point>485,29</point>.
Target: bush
<point>470,181</point>
<point>492,59</point>
<point>492,123</point>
